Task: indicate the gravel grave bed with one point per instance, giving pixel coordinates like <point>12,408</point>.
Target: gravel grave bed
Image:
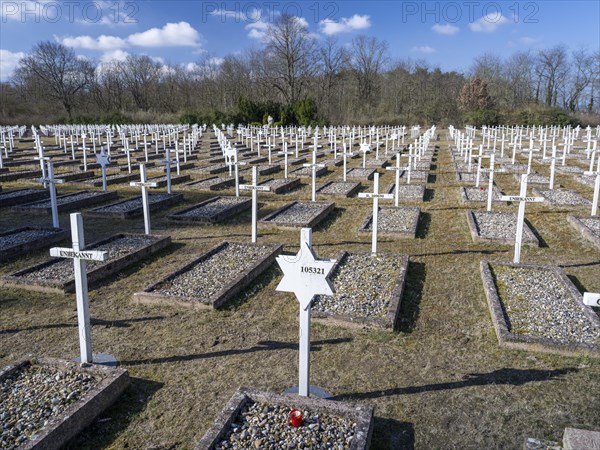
<point>4,195</point>
<point>467,177</point>
<point>133,203</point>
<point>515,168</point>
<point>213,208</point>
<point>593,223</point>
<point>10,240</point>
<point>500,226</point>
<point>209,276</point>
<point>537,303</point>
<point>363,285</point>
<point>299,212</point>
<point>562,197</point>
<point>407,191</point>
<point>61,270</point>
<point>32,395</point>
<point>588,180</point>
<point>569,169</point>
<point>402,220</point>
<point>346,188</point>
<point>361,173</point>
<point>213,184</point>
<point>535,178</point>
<point>307,172</point>
<point>266,426</point>
<point>64,200</point>
<point>16,196</point>
<point>115,176</point>
<point>473,194</point>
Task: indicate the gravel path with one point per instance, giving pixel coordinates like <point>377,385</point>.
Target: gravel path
<point>33,395</point>
<point>10,240</point>
<point>298,212</point>
<point>212,208</point>
<point>396,220</point>
<point>538,303</point>
<point>363,286</point>
<point>563,197</point>
<point>133,203</point>
<point>588,180</point>
<point>500,225</point>
<point>62,269</point>
<point>263,426</point>
<point>209,276</point>
<point>593,223</point>
<point>474,194</point>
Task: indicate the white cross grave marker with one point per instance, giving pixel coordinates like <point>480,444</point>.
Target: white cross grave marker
<point>375,195</point>
<point>522,199</point>
<point>254,187</point>
<point>398,169</point>
<point>79,257</point>
<point>314,167</point>
<point>596,188</point>
<point>491,172</point>
<point>144,184</point>
<point>168,161</point>
<point>53,204</point>
<point>104,160</point>
<point>365,148</point>
<point>305,276</point>
<point>285,154</point>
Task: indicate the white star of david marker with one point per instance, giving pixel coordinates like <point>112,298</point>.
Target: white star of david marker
<point>305,275</point>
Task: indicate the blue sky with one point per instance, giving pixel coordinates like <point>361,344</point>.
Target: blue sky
<point>445,34</point>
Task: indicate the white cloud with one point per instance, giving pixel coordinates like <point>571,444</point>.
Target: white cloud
<point>258,30</point>
<point>216,61</point>
<point>114,55</point>
<point>345,24</point>
<point>527,40</point>
<point>423,49</point>
<point>446,29</point>
<point>488,23</point>
<point>8,63</point>
<point>180,34</point>
<point>102,42</point>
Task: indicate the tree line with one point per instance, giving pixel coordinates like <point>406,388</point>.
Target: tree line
<point>301,80</point>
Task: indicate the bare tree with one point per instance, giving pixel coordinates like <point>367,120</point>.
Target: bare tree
<point>551,70</point>
<point>332,59</point>
<point>141,75</point>
<point>63,74</point>
<point>367,58</point>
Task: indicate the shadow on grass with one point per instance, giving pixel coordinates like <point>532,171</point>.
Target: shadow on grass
<point>315,346</point>
<point>512,377</point>
<point>543,243</point>
<point>429,194</point>
<point>411,299</point>
<point>101,433</point>
<point>330,219</point>
<point>122,323</point>
<point>391,433</point>
<point>593,263</point>
<point>431,178</point>
<point>578,284</point>
<point>423,225</point>
<point>462,252</point>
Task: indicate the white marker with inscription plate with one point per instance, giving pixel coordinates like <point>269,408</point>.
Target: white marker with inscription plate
<point>285,154</point>
<point>104,160</point>
<point>365,148</point>
<point>596,187</point>
<point>397,168</point>
<point>79,257</point>
<point>144,184</point>
<point>254,187</point>
<point>375,195</point>
<point>305,276</point>
<point>591,299</point>
<point>53,204</point>
<point>522,199</point>
<point>314,167</point>
<point>491,172</point>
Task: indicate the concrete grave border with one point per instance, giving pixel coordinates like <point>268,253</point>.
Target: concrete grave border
<point>393,313</point>
<point>97,181</point>
<point>412,233</point>
<point>474,230</point>
<point>548,202</point>
<point>32,245</point>
<point>270,219</point>
<point>353,188</point>
<point>221,216</point>
<point>320,171</point>
<point>390,189</point>
<point>175,179</point>
<point>362,415</point>
<point>14,176</point>
<point>465,199</point>
<point>219,183</point>
<point>292,183</point>
<point>351,173</point>
<point>68,424</point>
<point>103,271</point>
<point>508,339</point>
<point>583,229</point>
<point>218,300</point>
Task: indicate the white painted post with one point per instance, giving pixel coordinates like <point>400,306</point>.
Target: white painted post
<point>552,168</point>
<point>491,172</point>
<point>398,169</point>
<point>305,276</point>
<point>375,195</point>
<point>144,184</point>
<point>254,187</point>
<point>285,154</point>
<point>591,299</point>
<point>51,181</point>
<point>314,167</point>
<point>596,188</point>
<point>80,256</point>
<point>168,163</point>
<point>104,160</point>
<point>365,148</point>
<point>522,199</point>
